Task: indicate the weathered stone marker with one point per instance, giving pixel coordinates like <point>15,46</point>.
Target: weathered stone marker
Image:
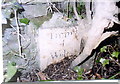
<point>56,43</point>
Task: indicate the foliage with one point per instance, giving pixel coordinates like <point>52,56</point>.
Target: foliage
<point>79,72</point>
<point>25,20</point>
<point>81,6</point>
<point>111,55</point>
<point>81,9</point>
<point>104,61</point>
<point>115,54</point>
<point>11,71</point>
<point>103,49</point>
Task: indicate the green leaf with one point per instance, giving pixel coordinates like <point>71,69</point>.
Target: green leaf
<point>104,61</point>
<point>11,71</point>
<point>115,54</point>
<point>97,61</point>
<point>25,21</point>
<point>13,64</point>
<point>80,78</point>
<point>103,49</point>
<point>79,70</point>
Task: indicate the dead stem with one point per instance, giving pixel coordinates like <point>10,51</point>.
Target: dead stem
<point>18,35</point>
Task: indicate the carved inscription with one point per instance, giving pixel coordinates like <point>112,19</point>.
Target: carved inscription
<point>55,44</point>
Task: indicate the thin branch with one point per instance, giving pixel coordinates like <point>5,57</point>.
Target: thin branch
<point>50,5</point>
<point>16,30</point>
<point>18,36</point>
<point>88,12</point>
<point>75,11</point>
<point>112,59</point>
<point>112,77</point>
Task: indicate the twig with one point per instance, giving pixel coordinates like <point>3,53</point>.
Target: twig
<point>54,73</point>
<point>21,37</point>
<point>36,75</point>
<point>28,61</point>
<point>68,4</point>
<point>50,8</point>
<point>114,75</point>
<point>29,1</point>
<point>85,76</point>
<point>18,36</point>
<point>115,61</point>
<point>110,47</point>
<point>75,10</point>
<point>55,8</point>
<point>16,30</point>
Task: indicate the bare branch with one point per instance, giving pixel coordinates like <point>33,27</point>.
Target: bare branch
<point>18,35</point>
<point>75,11</point>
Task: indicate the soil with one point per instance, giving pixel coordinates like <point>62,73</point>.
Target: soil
<point>61,70</point>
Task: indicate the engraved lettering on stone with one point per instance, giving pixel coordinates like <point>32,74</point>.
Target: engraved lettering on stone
<point>65,35</point>
<point>52,56</point>
<point>56,54</point>
<point>59,35</point>
<point>55,35</point>
<point>63,43</point>
<point>59,44</point>
<point>51,36</point>
<point>68,33</point>
<point>64,53</point>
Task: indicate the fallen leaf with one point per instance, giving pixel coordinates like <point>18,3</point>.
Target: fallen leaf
<point>98,76</point>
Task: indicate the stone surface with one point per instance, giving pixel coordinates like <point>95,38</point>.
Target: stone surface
<point>56,43</point>
<point>4,21</point>
<point>10,47</point>
<point>35,10</point>
<point>58,20</point>
<point>58,39</point>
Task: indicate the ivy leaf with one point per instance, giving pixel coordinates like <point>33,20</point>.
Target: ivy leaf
<point>104,61</point>
<point>79,70</point>
<point>103,49</point>
<point>25,21</point>
<point>115,54</point>
<point>11,71</point>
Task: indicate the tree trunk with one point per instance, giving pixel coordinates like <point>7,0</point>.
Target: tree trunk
<point>103,18</point>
